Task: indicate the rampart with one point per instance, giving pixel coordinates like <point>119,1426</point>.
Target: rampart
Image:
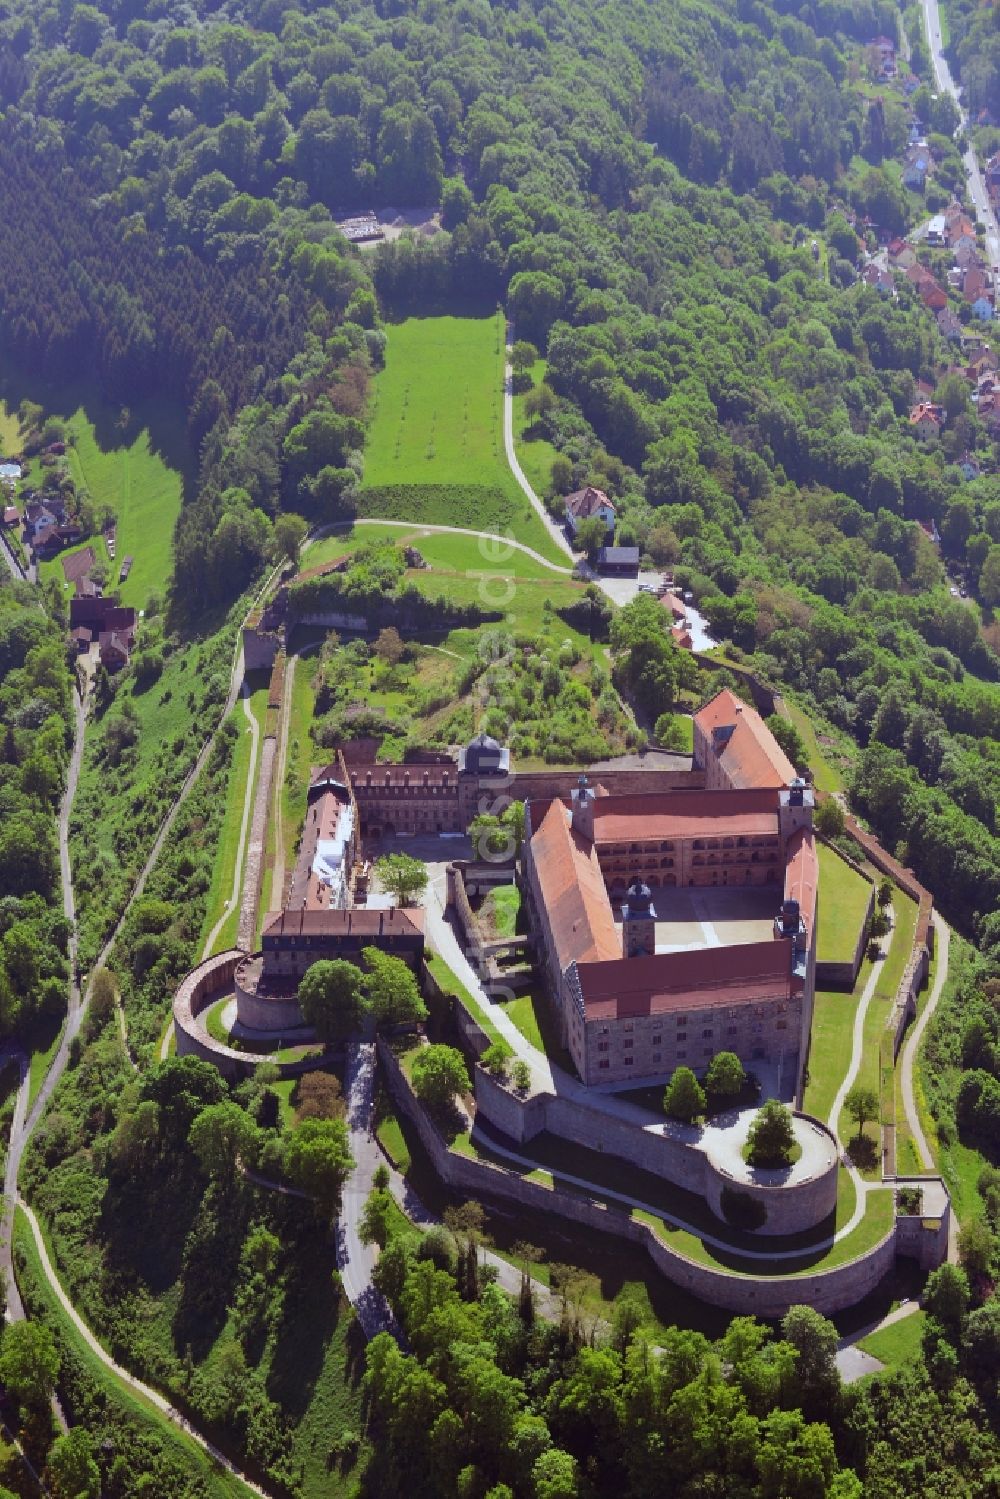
<point>762,1295</point>
<point>671,1152</point>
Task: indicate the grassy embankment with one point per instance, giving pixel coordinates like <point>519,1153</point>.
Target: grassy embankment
<point>127,1404</point>
<point>843,905</point>
<point>534,454</point>
<point>899,1343</point>
<point>228,852</point>
<point>119,807</point>
<point>435,448</point>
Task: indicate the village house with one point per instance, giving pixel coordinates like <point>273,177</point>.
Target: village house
<point>926,420</point>
<point>106,623</point>
<point>949,325</point>
<point>970,466</point>
<point>874,275</point>
<point>586,504</point>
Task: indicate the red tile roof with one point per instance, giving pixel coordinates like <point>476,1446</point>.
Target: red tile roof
<point>685,814</point>
<point>586,502</point>
<point>750,755</point>
<point>398,921</point>
<point>689,980</point>
<point>573,891</point>
<point>802,874</point>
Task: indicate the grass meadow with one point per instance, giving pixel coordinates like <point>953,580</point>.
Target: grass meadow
<point>534,454</point>
<point>435,449</point>
<point>843,904</point>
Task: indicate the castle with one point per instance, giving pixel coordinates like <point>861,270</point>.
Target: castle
<point>676,925</point>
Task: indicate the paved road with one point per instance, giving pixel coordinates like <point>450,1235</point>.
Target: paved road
<point>974,176</point>
<point>356,1260</point>
<point>13,565</point>
<point>942,935</point>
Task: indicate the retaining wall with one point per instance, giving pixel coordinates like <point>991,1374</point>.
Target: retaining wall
<point>765,1296</point>
<point>201,986</point>
<point>668,1151</point>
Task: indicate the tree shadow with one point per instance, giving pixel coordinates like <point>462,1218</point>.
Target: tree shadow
<point>210,1265</point>
<point>863,1152</point>
<point>145,1221</point>
<point>309,1319</point>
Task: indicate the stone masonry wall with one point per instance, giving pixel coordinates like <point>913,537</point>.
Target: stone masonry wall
<point>765,1296</point>
<point>664,1152</point>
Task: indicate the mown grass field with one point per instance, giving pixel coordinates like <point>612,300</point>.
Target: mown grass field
<point>10,431</point>
<point>438,404</point>
<point>146,497</point>
<point>435,449</point>
<point>830,1048</point>
<point>843,904</point>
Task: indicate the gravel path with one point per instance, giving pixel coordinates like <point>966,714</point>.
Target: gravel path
<point>912,1045</point>
<point>554,531</point>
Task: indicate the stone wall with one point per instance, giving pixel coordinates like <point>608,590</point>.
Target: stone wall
<point>765,1296</point>
<point>197,991</point>
<point>668,1151</point>
<point>261,1013</point>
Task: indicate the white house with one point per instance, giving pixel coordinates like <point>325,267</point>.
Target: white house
<point>583,504</point>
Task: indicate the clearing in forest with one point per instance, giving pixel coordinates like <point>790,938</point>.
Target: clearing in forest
<point>435,449</point>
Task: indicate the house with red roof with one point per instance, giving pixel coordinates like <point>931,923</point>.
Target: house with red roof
<point>587,504</point>
<point>926,420</point>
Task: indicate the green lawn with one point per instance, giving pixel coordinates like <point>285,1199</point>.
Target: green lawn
<point>390,1137</point>
<point>10,431</point>
<point>224,868</point>
<point>450,983</point>
<point>145,495</point>
<point>534,454</point>
<point>830,1047</point>
<point>435,449</point>
<point>532,1014</point>
<point>824,761</point>
<point>299,760</point>
<point>843,904</point>
<point>501,909</point>
<point>899,1343</point>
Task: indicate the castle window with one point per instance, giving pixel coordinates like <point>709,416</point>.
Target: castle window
<point>629,1044</point>
<point>603,1045</point>
<point>707,1032</point>
<point>604,1064</point>
<point>782,1025</point>
<point>629,1061</point>
<point>629,1025</point>
<point>682,1036</point>
<point>656,1056</point>
<point>681,1055</point>
<point>731,1030</point>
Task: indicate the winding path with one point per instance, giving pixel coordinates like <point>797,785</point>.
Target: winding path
<point>417,526</point>
<point>24,1121</point>
<point>161,1403</point>
<point>912,1045</point>
<point>554,531</point>
<point>973,172</point>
